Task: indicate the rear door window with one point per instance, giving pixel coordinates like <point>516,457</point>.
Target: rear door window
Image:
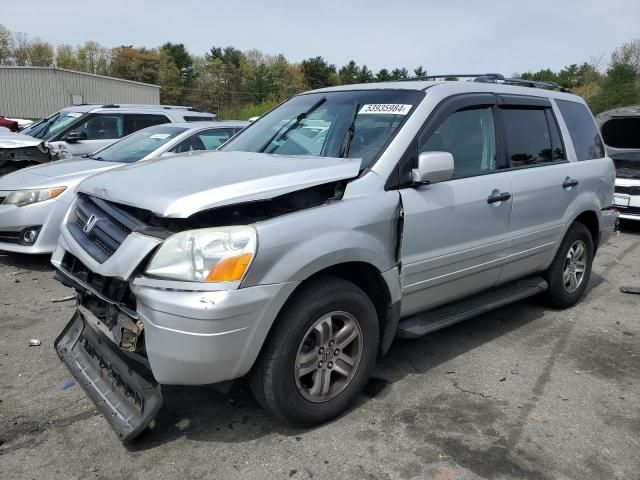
<point>138,121</point>
<point>531,136</point>
<point>583,130</point>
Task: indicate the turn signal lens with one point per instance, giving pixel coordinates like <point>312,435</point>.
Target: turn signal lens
<point>230,269</point>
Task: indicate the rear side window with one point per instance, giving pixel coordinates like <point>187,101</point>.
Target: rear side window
<point>583,130</point>
<point>138,121</point>
<point>531,136</point>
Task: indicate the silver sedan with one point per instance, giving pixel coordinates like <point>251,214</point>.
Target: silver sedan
<point>33,201</point>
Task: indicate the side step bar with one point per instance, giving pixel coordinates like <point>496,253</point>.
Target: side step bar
<point>432,320</point>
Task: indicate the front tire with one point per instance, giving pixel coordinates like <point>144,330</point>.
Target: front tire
<point>570,270</point>
<point>319,355</point>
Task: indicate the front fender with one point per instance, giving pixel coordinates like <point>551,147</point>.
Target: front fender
<point>293,247</point>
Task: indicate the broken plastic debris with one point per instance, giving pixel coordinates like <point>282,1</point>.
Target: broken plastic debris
<point>63,299</point>
<point>634,290</point>
<point>34,342</point>
<point>68,384</point>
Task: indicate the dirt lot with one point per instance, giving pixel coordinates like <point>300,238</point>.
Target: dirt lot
<point>525,392</point>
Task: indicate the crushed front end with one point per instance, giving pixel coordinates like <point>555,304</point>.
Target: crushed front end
<point>132,332</point>
<point>103,348</point>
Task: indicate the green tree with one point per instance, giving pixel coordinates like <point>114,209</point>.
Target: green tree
<point>383,75</point>
<point>138,64</point>
<point>365,75</point>
<point>399,74</point>
<point>40,54</point>
<point>318,73</point>
<point>180,57</point>
<point>419,72</point>
<point>66,57</point>
<point>349,73</point>
<point>620,88</point>
<point>94,58</point>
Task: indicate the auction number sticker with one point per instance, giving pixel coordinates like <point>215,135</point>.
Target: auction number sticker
<point>160,136</point>
<point>385,109</point>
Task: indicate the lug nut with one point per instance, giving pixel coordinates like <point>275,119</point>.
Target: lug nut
<point>331,343</point>
<point>319,364</point>
<point>321,351</point>
<point>337,352</point>
<point>330,365</point>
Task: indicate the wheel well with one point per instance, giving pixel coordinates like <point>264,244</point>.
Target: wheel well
<point>369,279</point>
<point>590,220</point>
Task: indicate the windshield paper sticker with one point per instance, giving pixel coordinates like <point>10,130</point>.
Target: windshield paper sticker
<point>385,109</point>
<point>74,114</point>
<point>160,136</point>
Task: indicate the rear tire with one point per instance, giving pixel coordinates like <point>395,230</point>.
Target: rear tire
<point>570,270</point>
<point>319,355</point>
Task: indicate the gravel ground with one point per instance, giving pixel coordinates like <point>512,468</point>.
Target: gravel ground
<point>525,392</point>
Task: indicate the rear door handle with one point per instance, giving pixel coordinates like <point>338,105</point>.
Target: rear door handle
<point>569,182</point>
<point>498,197</point>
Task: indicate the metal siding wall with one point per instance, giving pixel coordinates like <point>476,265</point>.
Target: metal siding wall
<point>39,92</point>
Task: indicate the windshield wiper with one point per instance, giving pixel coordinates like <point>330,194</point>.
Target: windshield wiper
<point>348,136</point>
<point>279,136</point>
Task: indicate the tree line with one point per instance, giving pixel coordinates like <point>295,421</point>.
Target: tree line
<point>241,84</point>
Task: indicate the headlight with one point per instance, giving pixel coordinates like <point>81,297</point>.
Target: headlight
<point>220,254</point>
<point>21,198</point>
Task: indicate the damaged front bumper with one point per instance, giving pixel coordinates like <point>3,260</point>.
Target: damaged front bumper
<point>123,389</point>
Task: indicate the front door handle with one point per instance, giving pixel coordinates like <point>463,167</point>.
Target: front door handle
<point>569,182</point>
<point>498,197</point>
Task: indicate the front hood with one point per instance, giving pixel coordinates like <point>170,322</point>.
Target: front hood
<point>60,173</point>
<point>182,185</point>
<point>17,140</point>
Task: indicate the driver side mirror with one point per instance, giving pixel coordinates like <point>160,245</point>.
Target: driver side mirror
<point>73,137</point>
<point>433,167</point>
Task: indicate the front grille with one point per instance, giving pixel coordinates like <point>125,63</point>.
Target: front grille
<point>627,210</point>
<point>112,289</point>
<point>10,237</point>
<point>630,190</point>
<point>100,227</point>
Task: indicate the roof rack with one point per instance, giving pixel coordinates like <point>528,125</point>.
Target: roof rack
<point>495,78</point>
<point>144,105</point>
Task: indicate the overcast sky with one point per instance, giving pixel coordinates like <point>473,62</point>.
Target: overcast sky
<point>450,36</point>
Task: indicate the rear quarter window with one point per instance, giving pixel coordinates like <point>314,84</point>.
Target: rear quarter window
<point>583,130</point>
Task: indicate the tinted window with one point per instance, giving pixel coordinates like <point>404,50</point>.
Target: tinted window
<point>528,137</point>
<point>583,130</point>
<point>469,135</point>
<point>188,118</point>
<point>102,126</point>
<point>138,121</point>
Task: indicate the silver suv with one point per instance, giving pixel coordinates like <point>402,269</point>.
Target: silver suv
<point>343,218</point>
<point>83,129</point>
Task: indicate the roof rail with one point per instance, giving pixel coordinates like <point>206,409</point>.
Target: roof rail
<point>494,78</point>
